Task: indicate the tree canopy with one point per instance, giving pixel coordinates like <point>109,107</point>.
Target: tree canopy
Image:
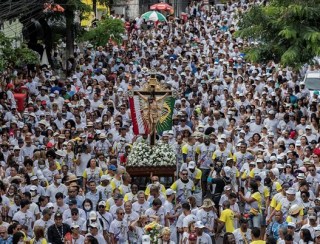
<point>15,56</point>
<point>287,31</point>
<point>106,29</point>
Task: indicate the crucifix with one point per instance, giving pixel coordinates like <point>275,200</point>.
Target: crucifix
<point>153,94</point>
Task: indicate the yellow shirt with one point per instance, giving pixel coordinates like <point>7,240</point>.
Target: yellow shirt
<point>258,242</point>
<point>85,173</point>
<point>43,241</point>
<point>257,197</point>
<point>147,191</point>
<point>227,216</point>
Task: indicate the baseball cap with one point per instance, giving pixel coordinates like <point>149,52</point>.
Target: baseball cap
<point>112,167</point>
<point>199,224</point>
<point>292,225</point>
<point>94,225</point>
<point>227,188</point>
<point>72,202</point>
<point>58,215</point>
<point>74,225</point>
<point>170,192</point>
<point>105,177</point>
<point>102,203</point>
<point>291,191</point>
<point>191,165</point>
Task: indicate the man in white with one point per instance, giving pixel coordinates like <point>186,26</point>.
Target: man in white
<point>243,234</point>
<point>207,216</point>
<point>119,228</point>
<point>56,187</point>
<point>24,216</point>
<point>202,237</point>
<point>45,221</point>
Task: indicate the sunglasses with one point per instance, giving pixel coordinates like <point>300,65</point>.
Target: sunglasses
<point>73,214</point>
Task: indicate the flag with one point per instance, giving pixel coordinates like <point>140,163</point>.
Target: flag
<point>165,122</point>
<point>140,115</point>
<point>140,126</point>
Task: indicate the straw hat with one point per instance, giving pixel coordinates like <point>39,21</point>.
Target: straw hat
<point>207,203</point>
<point>72,178</point>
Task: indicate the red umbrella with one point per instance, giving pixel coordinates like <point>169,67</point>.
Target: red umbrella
<point>161,7</point>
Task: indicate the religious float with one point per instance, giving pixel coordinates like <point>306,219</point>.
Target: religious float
<point>151,111</point>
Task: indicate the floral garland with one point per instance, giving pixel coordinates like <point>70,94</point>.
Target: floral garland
<point>142,155</point>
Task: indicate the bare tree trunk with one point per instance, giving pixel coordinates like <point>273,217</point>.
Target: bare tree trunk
<point>69,14</point>
<point>94,7</point>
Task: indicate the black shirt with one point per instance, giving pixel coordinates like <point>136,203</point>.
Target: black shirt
<point>56,234</point>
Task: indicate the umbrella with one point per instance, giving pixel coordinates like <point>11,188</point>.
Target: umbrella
<point>154,16</point>
<point>161,7</point>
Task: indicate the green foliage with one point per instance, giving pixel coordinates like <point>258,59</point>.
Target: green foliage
<point>106,29</point>
<point>288,31</point>
<point>15,56</point>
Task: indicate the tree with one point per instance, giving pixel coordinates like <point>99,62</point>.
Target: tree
<point>287,31</point>
<point>106,29</point>
<point>19,56</point>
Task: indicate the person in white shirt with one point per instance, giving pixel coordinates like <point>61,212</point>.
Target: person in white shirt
<point>243,234</point>
<point>56,187</point>
<point>156,210</point>
<point>45,221</point>
<point>24,216</point>
<point>75,233</point>
<point>119,228</point>
<point>93,228</point>
<point>202,237</point>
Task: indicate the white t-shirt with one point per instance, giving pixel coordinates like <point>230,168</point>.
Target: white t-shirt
<point>26,219</point>
<point>204,239</point>
<point>120,230</point>
<point>188,219</point>
<point>240,237</point>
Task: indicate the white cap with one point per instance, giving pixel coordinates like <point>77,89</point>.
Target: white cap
<point>191,165</point>
<point>16,148</point>
<point>199,224</point>
<point>94,225</point>
<point>49,205</point>
<point>275,171</point>
<point>273,158</point>
<point>227,188</point>
<point>93,215</point>
<point>61,153</point>
<point>227,170</point>
<point>271,112</point>
<point>74,225</point>
<point>291,224</point>
<point>33,188</point>
<point>102,203</point>
<point>301,176</point>
<point>105,177</point>
<point>170,192</point>
<point>291,191</point>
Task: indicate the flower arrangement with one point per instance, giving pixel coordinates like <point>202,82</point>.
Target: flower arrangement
<point>143,155</point>
<point>163,155</point>
<point>139,155</point>
<point>153,230</point>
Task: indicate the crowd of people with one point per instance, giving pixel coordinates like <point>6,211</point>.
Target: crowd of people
<point>246,137</point>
